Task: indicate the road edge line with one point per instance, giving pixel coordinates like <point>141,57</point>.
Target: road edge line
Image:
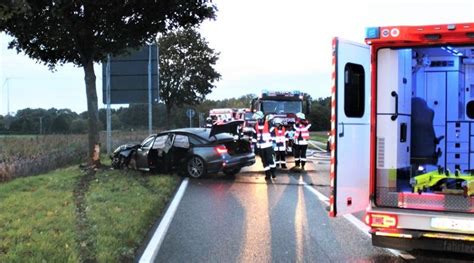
<point>151,250</point>
<point>317,193</point>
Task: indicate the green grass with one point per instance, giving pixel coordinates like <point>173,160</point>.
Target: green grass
<point>319,136</point>
<point>37,218</point>
<point>38,222</point>
<point>123,208</point>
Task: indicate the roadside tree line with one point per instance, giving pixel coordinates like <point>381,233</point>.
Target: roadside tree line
<point>135,117</point>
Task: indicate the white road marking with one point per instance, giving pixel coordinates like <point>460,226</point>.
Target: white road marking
<point>154,245</point>
<point>315,145</point>
<point>359,224</point>
<point>356,222</point>
<point>317,193</point>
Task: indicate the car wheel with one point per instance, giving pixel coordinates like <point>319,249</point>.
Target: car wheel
<point>232,172</point>
<point>196,167</point>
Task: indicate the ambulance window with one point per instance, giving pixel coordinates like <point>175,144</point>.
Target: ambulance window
<point>354,90</point>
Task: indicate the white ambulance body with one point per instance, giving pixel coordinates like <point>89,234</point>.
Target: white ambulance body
<point>221,114</point>
<point>403,135</point>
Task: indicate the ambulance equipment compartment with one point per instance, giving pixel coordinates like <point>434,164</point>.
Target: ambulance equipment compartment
<point>425,138</point>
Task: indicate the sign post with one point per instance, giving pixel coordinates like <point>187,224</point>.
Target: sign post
<point>149,91</point>
<point>109,117</point>
<point>190,113</point>
<point>132,78</point>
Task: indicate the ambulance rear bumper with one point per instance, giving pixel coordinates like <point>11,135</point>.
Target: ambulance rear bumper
<point>409,240</point>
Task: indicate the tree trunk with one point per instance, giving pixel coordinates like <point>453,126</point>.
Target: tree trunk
<point>93,115</point>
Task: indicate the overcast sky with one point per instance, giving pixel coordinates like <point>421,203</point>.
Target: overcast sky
<point>263,44</point>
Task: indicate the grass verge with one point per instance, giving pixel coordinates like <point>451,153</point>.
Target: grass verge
<point>39,218</point>
<point>319,136</point>
<point>122,208</point>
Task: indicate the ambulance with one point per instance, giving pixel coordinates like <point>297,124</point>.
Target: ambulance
<point>221,114</point>
<point>402,129</point>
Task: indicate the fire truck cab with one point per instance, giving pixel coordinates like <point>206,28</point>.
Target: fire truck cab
<point>283,105</point>
<point>402,129</point>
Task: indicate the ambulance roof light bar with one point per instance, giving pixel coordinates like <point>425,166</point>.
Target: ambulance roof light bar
<point>372,32</point>
<point>420,35</point>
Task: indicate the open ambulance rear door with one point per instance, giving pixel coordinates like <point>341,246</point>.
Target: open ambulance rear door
<point>350,128</point>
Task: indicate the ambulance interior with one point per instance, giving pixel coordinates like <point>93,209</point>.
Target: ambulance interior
<point>425,128</point>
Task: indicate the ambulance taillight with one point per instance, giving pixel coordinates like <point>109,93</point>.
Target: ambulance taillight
<point>377,220</point>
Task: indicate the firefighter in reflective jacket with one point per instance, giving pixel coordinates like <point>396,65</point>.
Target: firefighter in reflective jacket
<point>278,132</point>
<point>265,144</point>
<point>301,138</point>
<point>208,122</point>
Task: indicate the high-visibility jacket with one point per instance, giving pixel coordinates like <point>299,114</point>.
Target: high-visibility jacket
<point>263,136</point>
<point>301,134</point>
<point>279,138</point>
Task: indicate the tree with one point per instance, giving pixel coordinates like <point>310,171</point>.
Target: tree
<point>86,31</point>
<point>320,114</point>
<point>11,7</point>
<point>78,126</point>
<point>186,68</point>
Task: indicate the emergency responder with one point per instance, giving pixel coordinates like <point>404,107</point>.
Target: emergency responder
<point>278,133</point>
<point>301,139</point>
<point>265,144</point>
<point>208,122</point>
<point>290,137</point>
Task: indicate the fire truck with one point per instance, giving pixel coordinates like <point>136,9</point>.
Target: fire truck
<point>402,129</point>
<point>283,105</point>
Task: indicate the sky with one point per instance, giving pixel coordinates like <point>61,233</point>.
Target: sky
<point>263,44</point>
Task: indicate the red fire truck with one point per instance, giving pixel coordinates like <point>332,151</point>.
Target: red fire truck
<point>283,105</point>
<point>402,129</point>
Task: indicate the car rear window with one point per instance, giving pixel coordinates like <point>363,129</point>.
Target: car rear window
<point>218,137</point>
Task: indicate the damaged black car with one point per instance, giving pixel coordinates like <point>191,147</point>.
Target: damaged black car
<point>192,151</point>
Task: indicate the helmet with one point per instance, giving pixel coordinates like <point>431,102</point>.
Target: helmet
<point>208,119</point>
<point>300,116</point>
<point>270,117</point>
<point>258,115</point>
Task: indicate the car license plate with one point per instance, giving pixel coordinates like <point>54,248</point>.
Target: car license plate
<point>452,224</point>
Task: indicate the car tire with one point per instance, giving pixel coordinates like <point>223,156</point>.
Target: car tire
<point>231,172</point>
<point>196,167</point>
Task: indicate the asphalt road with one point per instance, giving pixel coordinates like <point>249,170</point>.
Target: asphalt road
<point>245,219</point>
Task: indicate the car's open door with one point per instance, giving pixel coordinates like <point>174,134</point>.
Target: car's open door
<point>142,153</point>
<point>350,128</point>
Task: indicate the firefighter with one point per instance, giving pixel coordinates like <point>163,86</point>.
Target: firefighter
<point>265,144</point>
<point>208,122</point>
<point>301,138</point>
<point>278,132</point>
<point>290,136</point>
